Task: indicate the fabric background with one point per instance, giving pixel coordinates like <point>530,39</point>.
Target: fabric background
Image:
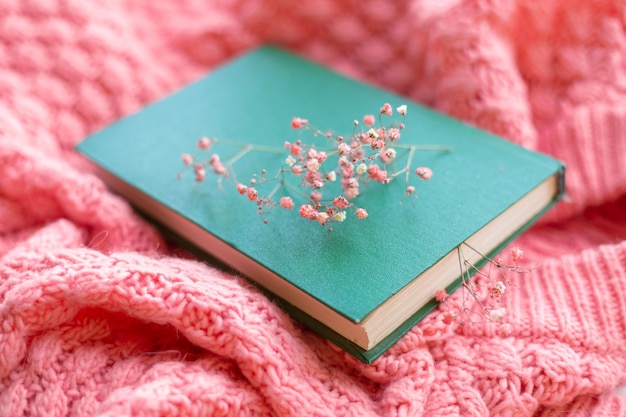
<point>100,316</point>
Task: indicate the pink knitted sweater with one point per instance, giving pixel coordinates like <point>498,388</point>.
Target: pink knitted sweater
<point>101,317</point>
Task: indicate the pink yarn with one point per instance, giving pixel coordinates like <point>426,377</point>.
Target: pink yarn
<point>101,317</point>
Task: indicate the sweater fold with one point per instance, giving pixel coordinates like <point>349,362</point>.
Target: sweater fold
<point>101,316</point>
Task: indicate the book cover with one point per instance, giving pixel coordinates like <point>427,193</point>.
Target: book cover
<point>335,282</point>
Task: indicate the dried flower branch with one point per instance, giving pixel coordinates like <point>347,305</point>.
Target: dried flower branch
<point>369,155</point>
<point>485,286</point>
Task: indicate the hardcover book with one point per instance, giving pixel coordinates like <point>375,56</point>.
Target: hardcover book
<point>362,282</point>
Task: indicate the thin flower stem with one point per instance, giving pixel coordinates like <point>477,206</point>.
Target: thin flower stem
<point>252,147</point>
<point>403,170</point>
<point>412,149</point>
<point>276,187</point>
<point>423,147</point>
<point>479,253</point>
<point>491,262</point>
<point>408,164</point>
<point>295,189</point>
<point>239,155</point>
<point>466,276</point>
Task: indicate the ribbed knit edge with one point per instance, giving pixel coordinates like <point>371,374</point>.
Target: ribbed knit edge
<point>596,226</point>
<point>591,141</point>
<point>578,299</point>
<point>608,404</point>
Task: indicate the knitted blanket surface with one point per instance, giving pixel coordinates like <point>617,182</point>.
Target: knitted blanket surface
<point>101,316</point>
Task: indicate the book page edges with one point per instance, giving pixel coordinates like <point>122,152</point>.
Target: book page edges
<point>381,322</point>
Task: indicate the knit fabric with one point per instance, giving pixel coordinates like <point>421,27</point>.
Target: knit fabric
<point>101,316</point>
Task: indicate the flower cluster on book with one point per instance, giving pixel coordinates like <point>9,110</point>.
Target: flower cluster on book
<point>368,155</point>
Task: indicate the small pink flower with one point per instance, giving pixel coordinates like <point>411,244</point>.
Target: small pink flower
<point>373,170</point>
<point>369,120</point>
<point>356,122</point>
<point>386,109</point>
<point>286,202</point>
<point>498,289</point>
<point>219,168</point>
<point>316,185</point>
<point>305,209</point>
<point>506,329</point>
<point>321,157</point>
<point>352,183</point>
<point>187,159</point>
<point>373,134</point>
<point>312,176</point>
<point>381,177</point>
<point>344,161</point>
<point>401,109</point>
<point>341,202</point>
<point>441,296</point>
<point>313,164</point>
<point>200,174</point>
<point>517,254</point>
<point>315,196</point>
<point>361,213</point>
<point>410,190</point>
<point>204,143</point>
<point>308,212</point>
<point>351,193</point>
<point>364,138</point>
<point>394,134</point>
<point>387,155</point>
<point>358,152</point>
<point>253,194</point>
<point>424,173</point>
<point>298,123</point>
<point>241,189</point>
<point>295,149</point>
<point>497,314</point>
<point>322,218</point>
<point>375,173</point>
<point>449,317</point>
<point>297,170</point>
<point>343,148</point>
<point>214,158</point>
<point>347,171</point>
<point>377,144</point>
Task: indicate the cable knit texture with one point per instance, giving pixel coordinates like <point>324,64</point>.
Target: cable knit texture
<point>100,316</point>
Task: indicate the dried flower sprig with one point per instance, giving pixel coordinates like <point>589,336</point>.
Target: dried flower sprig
<point>485,286</point>
<point>369,155</point>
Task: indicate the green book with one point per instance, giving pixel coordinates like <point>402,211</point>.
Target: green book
<point>361,283</point>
